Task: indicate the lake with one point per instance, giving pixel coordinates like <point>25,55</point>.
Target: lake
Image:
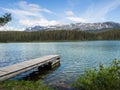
<point>75,56</point>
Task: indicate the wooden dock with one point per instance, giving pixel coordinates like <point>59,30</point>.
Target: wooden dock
<point>13,70</point>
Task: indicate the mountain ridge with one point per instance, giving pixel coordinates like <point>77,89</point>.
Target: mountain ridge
<point>77,26</point>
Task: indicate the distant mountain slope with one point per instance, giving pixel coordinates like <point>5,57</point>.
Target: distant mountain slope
<point>35,28</point>
<point>77,26</point>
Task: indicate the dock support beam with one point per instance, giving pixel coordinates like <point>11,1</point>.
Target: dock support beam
<point>49,65</point>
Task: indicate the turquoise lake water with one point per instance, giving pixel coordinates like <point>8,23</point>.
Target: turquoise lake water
<point>75,56</point>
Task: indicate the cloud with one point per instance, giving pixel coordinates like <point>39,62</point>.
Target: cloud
<point>26,9</point>
<point>69,13</point>
<point>39,21</point>
<point>76,19</point>
<point>19,12</point>
<point>32,7</point>
<point>27,14</point>
<point>99,12</point>
<point>95,12</point>
<point>10,28</point>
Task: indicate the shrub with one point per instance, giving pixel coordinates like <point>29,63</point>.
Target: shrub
<point>23,85</point>
<point>103,78</point>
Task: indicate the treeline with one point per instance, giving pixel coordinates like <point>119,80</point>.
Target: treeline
<point>57,35</point>
<point>110,35</point>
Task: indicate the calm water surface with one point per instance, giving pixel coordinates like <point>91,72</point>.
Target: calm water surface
<point>75,56</point>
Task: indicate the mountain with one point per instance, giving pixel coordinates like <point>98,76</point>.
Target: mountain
<point>77,26</point>
<point>35,28</point>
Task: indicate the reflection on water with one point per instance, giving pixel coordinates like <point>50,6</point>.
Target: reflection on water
<point>75,56</point>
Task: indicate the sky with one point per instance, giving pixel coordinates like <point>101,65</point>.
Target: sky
<point>28,13</point>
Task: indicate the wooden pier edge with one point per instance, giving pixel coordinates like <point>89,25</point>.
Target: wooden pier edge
<point>16,69</point>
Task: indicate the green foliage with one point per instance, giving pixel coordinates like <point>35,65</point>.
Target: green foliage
<point>5,19</point>
<point>23,85</point>
<point>104,78</point>
<point>57,35</point>
<point>111,35</point>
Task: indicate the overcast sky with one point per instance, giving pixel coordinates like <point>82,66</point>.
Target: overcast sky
<point>27,13</point>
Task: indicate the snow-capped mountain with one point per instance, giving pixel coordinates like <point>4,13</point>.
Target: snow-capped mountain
<point>35,28</point>
<point>77,26</point>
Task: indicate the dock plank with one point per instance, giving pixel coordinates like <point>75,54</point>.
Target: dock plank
<point>13,70</point>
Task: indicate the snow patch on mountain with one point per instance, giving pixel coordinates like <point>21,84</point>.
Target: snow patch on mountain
<point>77,26</point>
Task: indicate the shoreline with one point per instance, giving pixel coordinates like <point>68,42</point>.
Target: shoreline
<point>59,41</point>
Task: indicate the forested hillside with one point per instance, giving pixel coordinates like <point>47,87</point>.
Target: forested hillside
<point>57,35</point>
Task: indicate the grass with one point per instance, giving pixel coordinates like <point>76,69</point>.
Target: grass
<point>104,78</point>
<point>23,85</point>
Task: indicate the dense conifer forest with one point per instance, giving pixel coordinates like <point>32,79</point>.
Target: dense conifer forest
<point>58,35</point>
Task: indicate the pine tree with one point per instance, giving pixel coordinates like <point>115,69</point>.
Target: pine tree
<point>5,19</point>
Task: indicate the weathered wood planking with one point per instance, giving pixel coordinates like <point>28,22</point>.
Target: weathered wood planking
<point>13,70</point>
